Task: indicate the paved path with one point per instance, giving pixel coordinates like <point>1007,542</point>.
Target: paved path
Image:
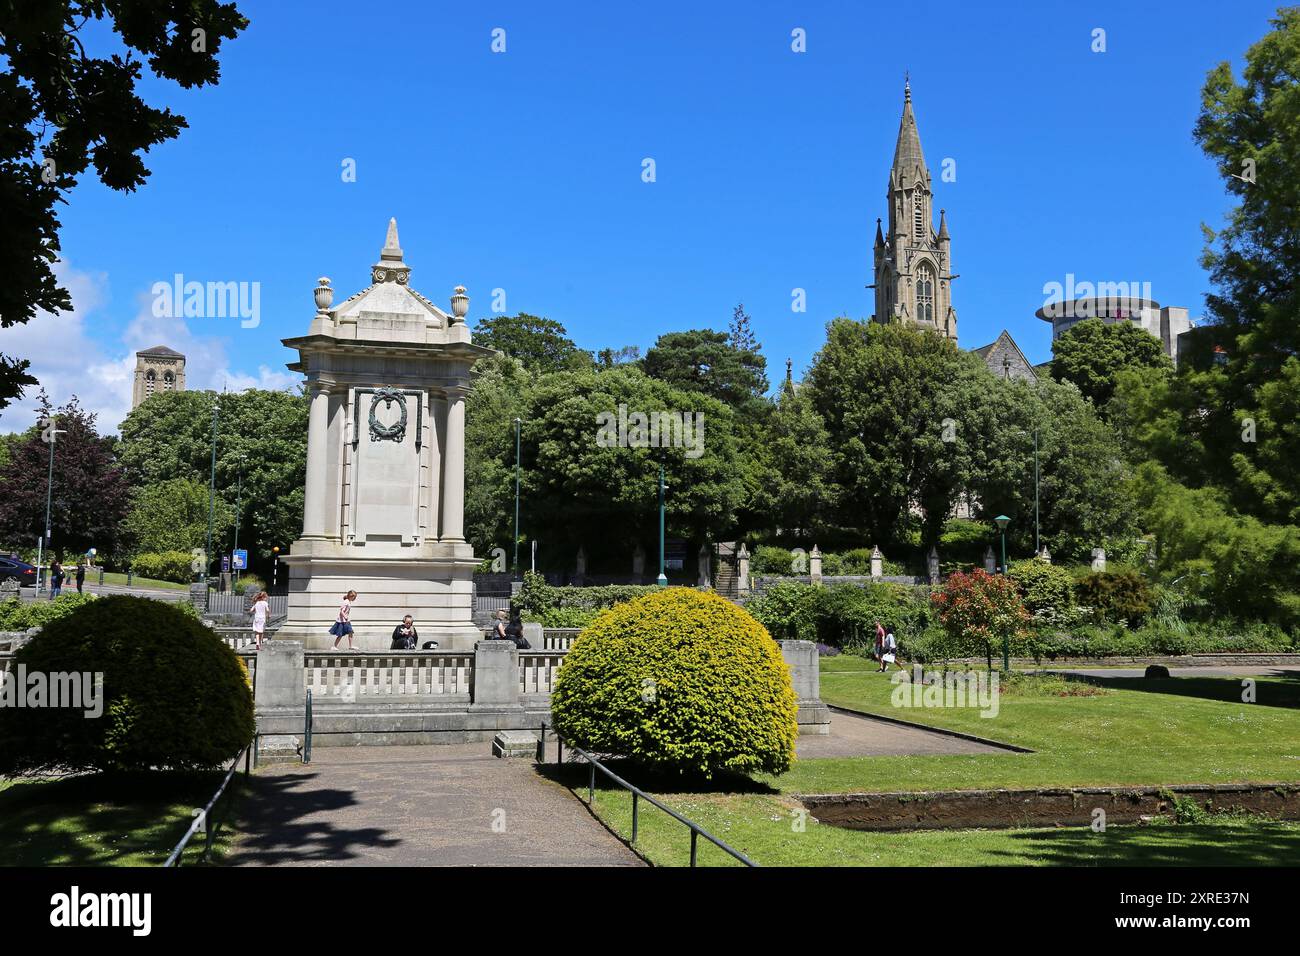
<point>856,736</point>
<point>1243,670</point>
<point>418,806</point>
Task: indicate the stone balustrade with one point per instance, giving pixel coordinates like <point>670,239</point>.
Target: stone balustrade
<point>364,677</point>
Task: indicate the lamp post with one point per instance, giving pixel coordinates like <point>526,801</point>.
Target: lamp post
<point>518,423</point>
<point>49,435</point>
<point>663,578</point>
<point>212,489</point>
<point>239,506</point>
<point>275,565</point>
<point>1037,549</point>
<point>1002,522</point>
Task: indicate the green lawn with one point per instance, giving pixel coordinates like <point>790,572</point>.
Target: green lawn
<point>103,820</point>
<point>114,577</point>
<point>1140,732</point>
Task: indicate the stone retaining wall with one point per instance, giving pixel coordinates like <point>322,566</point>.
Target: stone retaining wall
<point>966,809</point>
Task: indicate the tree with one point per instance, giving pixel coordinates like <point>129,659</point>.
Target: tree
<point>794,460</point>
<point>908,418</point>
<point>589,482</point>
<point>981,607</point>
<point>500,395</point>
<point>64,110</point>
<point>1091,354</point>
<point>89,492</point>
<point>173,516</point>
<point>743,338</point>
<point>260,434</point>
<point>705,361</point>
<point>541,344</point>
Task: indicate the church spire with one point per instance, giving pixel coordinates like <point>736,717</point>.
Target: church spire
<point>909,160</point>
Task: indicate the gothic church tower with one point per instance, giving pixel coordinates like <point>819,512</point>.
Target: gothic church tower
<point>913,263</point>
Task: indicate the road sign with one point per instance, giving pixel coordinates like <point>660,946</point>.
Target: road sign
<point>240,562</point>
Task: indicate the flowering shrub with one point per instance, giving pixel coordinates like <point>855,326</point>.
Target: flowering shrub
<point>981,607</point>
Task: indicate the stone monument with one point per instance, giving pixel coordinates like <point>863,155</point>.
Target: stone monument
<point>388,373</point>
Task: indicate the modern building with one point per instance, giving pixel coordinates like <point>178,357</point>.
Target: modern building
<point>1166,323</point>
<point>158,369</point>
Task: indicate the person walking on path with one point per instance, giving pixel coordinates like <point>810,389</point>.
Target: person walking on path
<point>880,641</point>
<point>343,626</point>
<point>891,652</point>
<point>261,609</point>
<point>56,578</point>
<point>81,574</point>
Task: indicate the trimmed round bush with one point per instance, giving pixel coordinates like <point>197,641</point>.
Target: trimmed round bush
<point>1044,586</point>
<point>173,695</point>
<point>681,680</point>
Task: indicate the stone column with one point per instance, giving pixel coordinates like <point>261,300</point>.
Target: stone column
<point>815,565</point>
<point>496,674</point>
<point>453,473</point>
<point>318,470</point>
<point>280,700</point>
<point>801,657</point>
<point>932,563</point>
<point>877,563</point>
<point>742,561</point>
<point>990,560</point>
<point>1099,559</point>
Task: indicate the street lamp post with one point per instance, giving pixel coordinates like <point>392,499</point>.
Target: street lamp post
<point>1037,549</point>
<point>239,506</point>
<point>1002,522</point>
<point>663,578</point>
<point>518,423</point>
<point>275,565</point>
<point>212,490</point>
<point>50,435</point>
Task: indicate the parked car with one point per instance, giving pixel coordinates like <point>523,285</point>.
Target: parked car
<point>21,570</point>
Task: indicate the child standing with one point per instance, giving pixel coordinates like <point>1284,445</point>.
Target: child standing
<point>343,626</point>
<point>261,608</point>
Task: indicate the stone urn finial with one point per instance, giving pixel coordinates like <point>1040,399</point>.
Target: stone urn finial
<point>324,294</point>
<point>459,303</point>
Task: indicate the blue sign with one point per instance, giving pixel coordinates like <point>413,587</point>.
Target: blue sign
<point>225,564</point>
<point>241,560</point>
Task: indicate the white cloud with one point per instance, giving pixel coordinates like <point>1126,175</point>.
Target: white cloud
<point>67,360</point>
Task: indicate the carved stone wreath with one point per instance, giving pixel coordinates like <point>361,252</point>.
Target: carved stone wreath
<point>378,430</point>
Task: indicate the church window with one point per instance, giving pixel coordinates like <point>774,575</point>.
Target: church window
<point>168,381</point>
<point>918,217</point>
<point>149,379</point>
<point>925,295</point>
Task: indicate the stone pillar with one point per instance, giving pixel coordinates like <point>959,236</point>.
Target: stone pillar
<point>805,675</point>
<point>990,560</point>
<point>1099,559</point>
<point>638,562</point>
<point>877,563</point>
<point>815,565</point>
<point>280,700</point>
<point>318,469</point>
<point>453,475</point>
<point>496,674</point>
<point>1045,555</point>
<point>580,566</point>
<point>932,564</point>
<point>742,560</point>
<point>199,596</point>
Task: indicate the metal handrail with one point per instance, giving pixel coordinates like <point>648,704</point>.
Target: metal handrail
<point>637,794</point>
<point>201,816</point>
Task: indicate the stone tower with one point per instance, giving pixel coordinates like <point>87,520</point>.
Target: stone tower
<point>913,263</point>
<point>384,513</point>
<point>158,369</point>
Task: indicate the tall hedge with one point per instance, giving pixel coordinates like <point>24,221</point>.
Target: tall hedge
<point>679,679</point>
<point>173,694</point>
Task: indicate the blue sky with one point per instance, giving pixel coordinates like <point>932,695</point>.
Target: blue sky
<point>522,170</point>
